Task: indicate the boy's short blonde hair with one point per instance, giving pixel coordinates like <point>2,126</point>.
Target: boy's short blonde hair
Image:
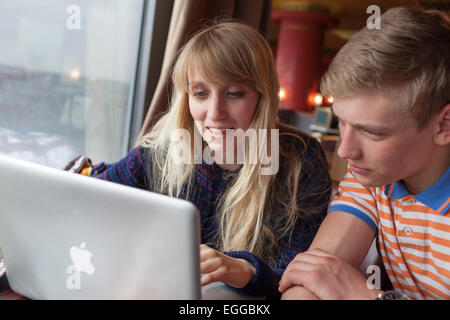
<point>409,54</point>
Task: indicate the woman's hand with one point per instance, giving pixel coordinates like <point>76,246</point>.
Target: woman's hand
<point>216,266</point>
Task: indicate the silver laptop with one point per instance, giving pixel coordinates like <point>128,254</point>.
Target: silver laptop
<point>67,236</point>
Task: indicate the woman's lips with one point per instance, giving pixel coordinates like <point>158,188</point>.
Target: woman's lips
<point>361,171</point>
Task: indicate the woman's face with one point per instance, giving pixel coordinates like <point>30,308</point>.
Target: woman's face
<point>218,107</point>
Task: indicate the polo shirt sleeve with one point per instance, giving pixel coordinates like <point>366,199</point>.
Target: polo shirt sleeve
<point>356,199</point>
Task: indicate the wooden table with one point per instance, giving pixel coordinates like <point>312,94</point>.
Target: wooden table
<point>10,295</point>
<point>6,293</point>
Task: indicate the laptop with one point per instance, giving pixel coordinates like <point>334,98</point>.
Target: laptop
<point>68,236</point>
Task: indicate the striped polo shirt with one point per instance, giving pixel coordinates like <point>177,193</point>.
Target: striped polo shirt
<point>413,231</point>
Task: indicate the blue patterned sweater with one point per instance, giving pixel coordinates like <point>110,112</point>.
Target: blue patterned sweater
<point>210,183</point>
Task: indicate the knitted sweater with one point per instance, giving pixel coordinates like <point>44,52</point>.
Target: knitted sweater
<point>210,183</point>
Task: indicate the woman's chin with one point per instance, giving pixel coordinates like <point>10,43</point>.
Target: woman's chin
<point>218,149</point>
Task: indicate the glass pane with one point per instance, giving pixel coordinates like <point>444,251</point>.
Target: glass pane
<point>67,71</point>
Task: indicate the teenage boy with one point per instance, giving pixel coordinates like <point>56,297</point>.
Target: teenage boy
<point>391,88</point>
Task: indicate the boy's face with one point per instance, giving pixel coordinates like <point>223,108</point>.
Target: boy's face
<point>381,143</point>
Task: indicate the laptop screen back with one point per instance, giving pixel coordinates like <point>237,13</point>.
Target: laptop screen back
<point>67,236</point>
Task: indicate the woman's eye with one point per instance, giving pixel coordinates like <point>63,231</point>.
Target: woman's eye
<point>199,93</point>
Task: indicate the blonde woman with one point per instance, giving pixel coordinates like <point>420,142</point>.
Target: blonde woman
<point>258,213</point>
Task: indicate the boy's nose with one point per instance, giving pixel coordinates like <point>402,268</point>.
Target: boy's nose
<point>348,145</point>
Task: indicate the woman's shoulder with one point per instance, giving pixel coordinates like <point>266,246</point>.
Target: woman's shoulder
<point>134,162</point>
<point>137,156</point>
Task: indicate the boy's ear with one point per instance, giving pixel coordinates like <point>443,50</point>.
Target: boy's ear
<point>442,131</point>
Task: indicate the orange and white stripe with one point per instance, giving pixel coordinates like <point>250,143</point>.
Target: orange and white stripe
<point>413,232</point>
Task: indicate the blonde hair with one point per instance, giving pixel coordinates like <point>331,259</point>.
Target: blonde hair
<point>408,55</point>
<point>226,52</point>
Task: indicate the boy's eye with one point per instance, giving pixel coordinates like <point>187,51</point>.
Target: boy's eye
<point>235,94</point>
<point>373,134</point>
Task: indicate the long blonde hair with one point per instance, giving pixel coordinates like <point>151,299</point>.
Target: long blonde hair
<point>225,52</point>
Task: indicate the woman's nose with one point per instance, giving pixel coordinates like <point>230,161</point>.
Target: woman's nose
<point>217,109</point>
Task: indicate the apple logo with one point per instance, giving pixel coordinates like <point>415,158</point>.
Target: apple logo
<point>81,258</point>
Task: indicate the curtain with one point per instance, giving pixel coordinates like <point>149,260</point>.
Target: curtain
<point>187,17</point>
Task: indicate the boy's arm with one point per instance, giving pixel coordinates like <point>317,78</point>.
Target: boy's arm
<point>329,268</point>
<point>344,235</point>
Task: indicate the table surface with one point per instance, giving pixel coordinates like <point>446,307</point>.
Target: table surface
<point>212,291</point>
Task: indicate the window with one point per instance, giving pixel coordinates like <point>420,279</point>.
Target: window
<point>67,77</point>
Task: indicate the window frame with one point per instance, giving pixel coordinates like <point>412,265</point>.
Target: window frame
<point>156,15</point>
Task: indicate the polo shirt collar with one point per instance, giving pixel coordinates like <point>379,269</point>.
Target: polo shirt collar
<point>437,197</point>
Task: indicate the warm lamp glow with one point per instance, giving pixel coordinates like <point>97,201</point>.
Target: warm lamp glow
<point>318,99</point>
<point>282,94</point>
<point>315,99</point>
<point>329,100</point>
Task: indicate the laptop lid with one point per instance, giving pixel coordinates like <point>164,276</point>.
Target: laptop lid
<point>68,236</point>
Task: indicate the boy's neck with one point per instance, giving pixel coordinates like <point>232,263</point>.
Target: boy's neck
<point>430,175</point>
